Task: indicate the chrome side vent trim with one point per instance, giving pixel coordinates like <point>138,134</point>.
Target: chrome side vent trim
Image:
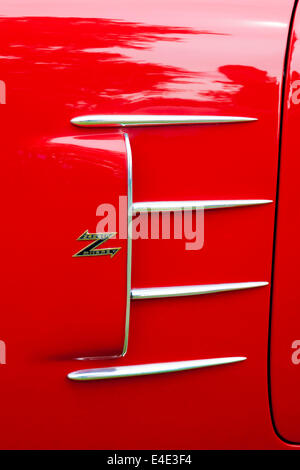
<point>172,206</point>
<point>178,291</point>
<point>120,120</point>
<point>149,369</point>
<point>129,241</point>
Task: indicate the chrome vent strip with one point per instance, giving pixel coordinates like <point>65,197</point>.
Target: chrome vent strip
<point>171,206</point>
<point>178,291</point>
<point>117,120</point>
<point>129,240</point>
<point>149,369</point>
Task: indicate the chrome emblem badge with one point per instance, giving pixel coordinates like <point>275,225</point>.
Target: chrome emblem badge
<point>97,240</point>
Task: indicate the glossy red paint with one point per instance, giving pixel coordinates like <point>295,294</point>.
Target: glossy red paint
<point>285,338</point>
<point>60,60</point>
<point>55,210</point>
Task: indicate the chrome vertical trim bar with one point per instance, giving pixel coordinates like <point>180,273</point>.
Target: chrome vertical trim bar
<point>129,240</point>
<point>172,206</point>
<point>179,291</point>
<point>120,120</point>
<point>150,369</point>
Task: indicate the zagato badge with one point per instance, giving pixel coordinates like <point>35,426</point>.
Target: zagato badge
<point>97,239</point>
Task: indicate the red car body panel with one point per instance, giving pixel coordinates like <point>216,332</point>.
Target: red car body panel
<point>64,59</point>
<point>285,339</point>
